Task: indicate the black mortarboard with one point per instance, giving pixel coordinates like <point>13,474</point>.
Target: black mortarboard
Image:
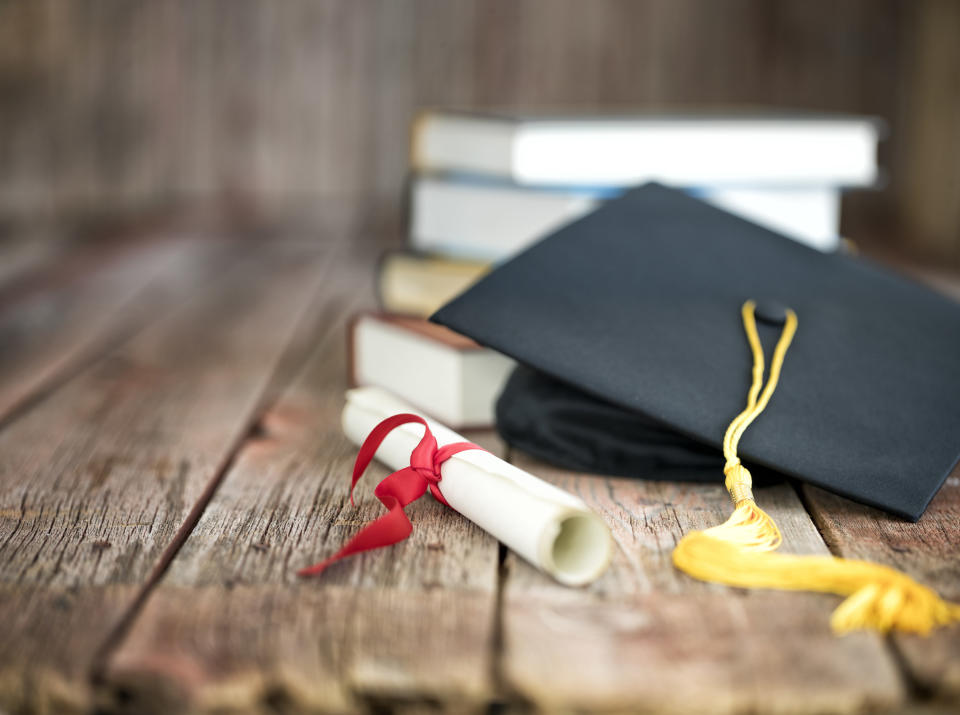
<point>637,307</point>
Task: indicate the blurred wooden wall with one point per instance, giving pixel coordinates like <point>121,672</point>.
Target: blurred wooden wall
<point>122,106</point>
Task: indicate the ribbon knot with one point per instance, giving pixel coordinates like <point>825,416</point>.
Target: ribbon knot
<point>397,490</point>
<point>739,481</point>
<point>424,460</point>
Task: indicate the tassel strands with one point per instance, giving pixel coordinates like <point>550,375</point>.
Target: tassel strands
<point>739,552</point>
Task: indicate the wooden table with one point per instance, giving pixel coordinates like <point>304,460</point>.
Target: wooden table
<point>170,453</point>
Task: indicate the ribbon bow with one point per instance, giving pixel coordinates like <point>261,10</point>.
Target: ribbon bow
<point>395,491</point>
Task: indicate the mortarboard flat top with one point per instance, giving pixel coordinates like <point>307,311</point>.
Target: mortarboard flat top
<point>639,304</point>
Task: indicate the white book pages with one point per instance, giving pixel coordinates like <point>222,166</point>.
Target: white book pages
<point>687,150</point>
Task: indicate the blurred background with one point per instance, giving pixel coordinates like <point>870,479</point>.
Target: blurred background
<point>275,111</point>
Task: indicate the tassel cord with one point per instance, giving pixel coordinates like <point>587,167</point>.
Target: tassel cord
<point>737,552</point>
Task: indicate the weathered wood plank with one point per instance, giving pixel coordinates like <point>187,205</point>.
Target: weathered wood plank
<point>232,627</point>
<point>927,551</point>
<point>96,481</point>
<point>646,636</point>
<point>410,623</point>
<point>52,331</point>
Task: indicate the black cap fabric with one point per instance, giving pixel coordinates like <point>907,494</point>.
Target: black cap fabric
<point>638,304</point>
<point>560,424</point>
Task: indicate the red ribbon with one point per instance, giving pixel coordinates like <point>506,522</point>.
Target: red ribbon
<point>397,490</point>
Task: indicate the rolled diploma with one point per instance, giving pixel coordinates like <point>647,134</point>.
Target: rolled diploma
<point>550,528</point>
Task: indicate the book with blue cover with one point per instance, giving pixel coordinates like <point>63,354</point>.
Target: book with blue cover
<point>483,218</point>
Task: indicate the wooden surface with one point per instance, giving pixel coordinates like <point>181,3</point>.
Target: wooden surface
<point>644,632</point>
<point>170,454</point>
<point>132,104</point>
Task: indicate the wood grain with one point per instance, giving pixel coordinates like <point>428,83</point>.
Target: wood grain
<point>931,169</point>
<point>232,627</point>
<point>927,551</point>
<point>125,105</point>
<point>238,383</point>
<point>55,330</point>
<point>95,483</point>
<point>648,637</point>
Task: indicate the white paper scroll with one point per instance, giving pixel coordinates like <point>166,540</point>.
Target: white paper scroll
<point>550,528</point>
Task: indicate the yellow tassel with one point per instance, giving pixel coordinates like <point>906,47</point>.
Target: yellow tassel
<point>878,598</point>
<point>737,552</point>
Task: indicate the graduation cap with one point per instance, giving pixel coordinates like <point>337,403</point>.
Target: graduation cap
<point>644,328</point>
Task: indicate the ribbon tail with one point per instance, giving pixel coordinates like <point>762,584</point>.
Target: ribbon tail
<point>394,492</point>
<point>392,527</point>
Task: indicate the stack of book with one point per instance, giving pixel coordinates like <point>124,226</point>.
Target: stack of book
<point>484,187</point>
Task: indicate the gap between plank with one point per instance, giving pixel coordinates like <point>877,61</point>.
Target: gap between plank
<point>797,488</point>
<point>500,685</point>
<point>508,699</point>
<point>497,676</point>
<point>268,398</point>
